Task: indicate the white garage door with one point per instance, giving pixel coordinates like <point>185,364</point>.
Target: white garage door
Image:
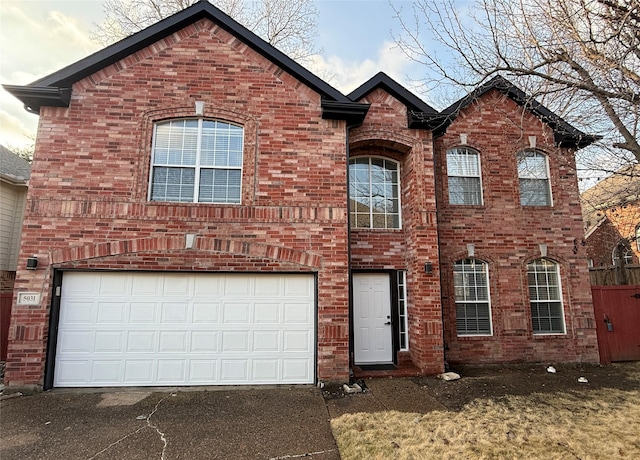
<point>149,329</point>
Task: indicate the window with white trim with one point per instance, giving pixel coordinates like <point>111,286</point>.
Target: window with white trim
<point>622,254</point>
<point>533,175</point>
<point>374,193</point>
<point>196,161</point>
<point>545,297</point>
<point>638,237</point>
<point>402,310</point>
<point>473,303</point>
<point>463,171</point>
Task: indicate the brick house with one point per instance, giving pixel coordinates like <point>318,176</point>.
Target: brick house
<point>204,210</point>
<point>611,213</point>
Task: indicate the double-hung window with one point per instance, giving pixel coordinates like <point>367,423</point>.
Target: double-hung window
<point>373,193</point>
<point>473,303</point>
<point>545,297</point>
<point>463,171</point>
<point>533,175</point>
<point>196,161</point>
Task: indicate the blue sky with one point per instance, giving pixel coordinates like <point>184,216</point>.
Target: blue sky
<point>39,37</point>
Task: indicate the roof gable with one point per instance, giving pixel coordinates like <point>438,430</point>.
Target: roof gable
<point>55,89</point>
<point>383,81</point>
<point>565,135</point>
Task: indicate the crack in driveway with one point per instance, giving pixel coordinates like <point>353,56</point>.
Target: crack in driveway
<point>147,419</point>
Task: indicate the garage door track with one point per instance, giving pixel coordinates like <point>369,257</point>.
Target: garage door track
<point>238,423</point>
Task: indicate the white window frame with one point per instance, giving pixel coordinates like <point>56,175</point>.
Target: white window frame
<point>467,151</point>
<point>403,314</point>
<point>638,237</point>
<point>547,179</point>
<point>558,301</point>
<point>485,270</point>
<point>354,212</point>
<point>627,253</point>
<point>197,167</point>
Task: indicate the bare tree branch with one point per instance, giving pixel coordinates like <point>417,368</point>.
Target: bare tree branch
<point>290,25</point>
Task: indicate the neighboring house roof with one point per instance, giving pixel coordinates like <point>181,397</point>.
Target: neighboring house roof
<point>13,169</point>
<point>621,187</point>
<point>55,89</point>
<point>565,135</point>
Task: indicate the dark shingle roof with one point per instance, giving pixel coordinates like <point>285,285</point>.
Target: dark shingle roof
<point>12,167</point>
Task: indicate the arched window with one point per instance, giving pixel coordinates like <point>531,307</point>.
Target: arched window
<point>533,175</point>
<point>463,172</point>
<point>373,193</point>
<point>196,160</point>
<point>545,297</point>
<point>473,302</point>
<point>622,254</point>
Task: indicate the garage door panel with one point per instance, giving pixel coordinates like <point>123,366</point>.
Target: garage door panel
<point>108,341</point>
<point>141,341</point>
<point>78,312</point>
<point>76,341</point>
<point>112,285</point>
<point>184,329</point>
<point>111,312</point>
<point>297,313</point>
<point>204,342</point>
<point>173,342</point>
<point>174,312</point>
<point>205,312</point>
<point>146,284</point>
<point>266,341</point>
<point>143,313</point>
<point>106,372</point>
<point>236,313</point>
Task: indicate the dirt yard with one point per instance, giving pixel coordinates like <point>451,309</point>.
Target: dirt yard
<point>496,382</point>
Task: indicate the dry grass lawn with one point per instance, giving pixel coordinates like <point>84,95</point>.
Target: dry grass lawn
<point>590,424</point>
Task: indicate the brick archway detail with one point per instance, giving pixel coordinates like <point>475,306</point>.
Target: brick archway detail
<point>177,243</point>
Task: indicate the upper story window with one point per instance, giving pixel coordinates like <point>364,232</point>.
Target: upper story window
<point>473,303</point>
<point>533,173</point>
<point>545,297</point>
<point>373,193</point>
<point>196,161</point>
<point>463,170</point>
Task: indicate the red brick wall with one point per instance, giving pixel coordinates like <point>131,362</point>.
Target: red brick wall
<point>507,236</point>
<point>384,133</point>
<point>88,208</point>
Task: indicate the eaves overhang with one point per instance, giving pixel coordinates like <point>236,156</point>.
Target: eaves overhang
<point>34,96</point>
<point>353,112</point>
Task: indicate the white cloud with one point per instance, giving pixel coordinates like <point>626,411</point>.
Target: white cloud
<point>348,75</point>
<point>34,42</point>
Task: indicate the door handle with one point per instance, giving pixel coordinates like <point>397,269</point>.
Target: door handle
<point>387,323</point>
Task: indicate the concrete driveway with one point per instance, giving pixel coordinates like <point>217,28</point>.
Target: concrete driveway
<point>239,423</point>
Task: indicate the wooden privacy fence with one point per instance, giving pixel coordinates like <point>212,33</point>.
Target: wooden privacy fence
<point>615,276</point>
<point>617,313</point>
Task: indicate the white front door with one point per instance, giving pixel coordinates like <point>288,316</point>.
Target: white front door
<point>372,319</point>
